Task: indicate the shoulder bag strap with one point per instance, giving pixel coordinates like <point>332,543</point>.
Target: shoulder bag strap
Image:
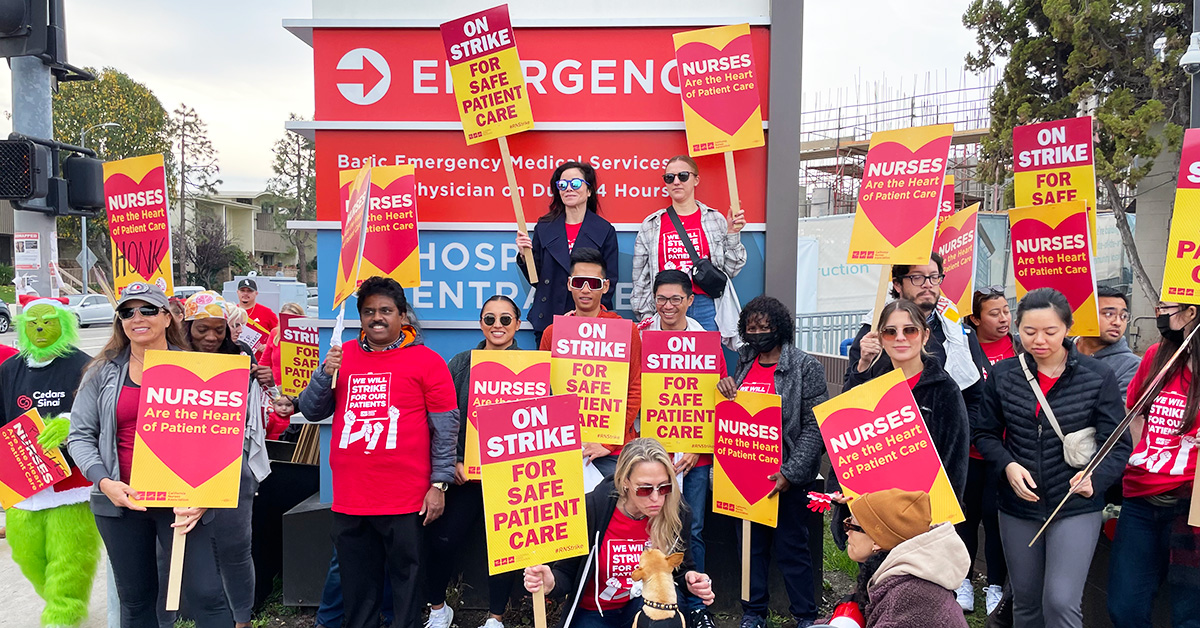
<point>683,236</point>
<point>1037,390</point>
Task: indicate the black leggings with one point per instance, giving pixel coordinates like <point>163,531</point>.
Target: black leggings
<point>132,542</point>
<point>979,506</point>
<point>445,541</point>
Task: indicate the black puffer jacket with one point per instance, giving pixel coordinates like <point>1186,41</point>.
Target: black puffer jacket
<point>1007,430</point>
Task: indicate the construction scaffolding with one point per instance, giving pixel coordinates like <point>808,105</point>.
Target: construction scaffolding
<point>836,130</point>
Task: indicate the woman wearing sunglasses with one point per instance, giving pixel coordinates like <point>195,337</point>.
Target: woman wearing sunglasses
<point>103,424</point>
<point>1015,433</point>
<point>573,219</point>
<point>658,247</point>
<point>499,321</point>
<point>636,509</point>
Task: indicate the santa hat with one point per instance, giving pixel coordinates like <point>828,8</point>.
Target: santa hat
<point>29,300</point>
<point>847,615</point>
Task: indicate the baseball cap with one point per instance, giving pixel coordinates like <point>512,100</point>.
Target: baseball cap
<point>142,291</point>
<point>248,283</point>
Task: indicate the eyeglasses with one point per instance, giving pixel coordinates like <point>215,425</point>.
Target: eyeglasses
<point>683,176</point>
<point>920,280</point>
<point>1161,309</point>
<point>490,319</point>
<point>127,313</point>
<point>645,491</point>
<point>673,300</point>
<point>579,282</point>
<point>574,184</point>
<point>1111,314</point>
<point>850,527</point>
<point>909,331</point>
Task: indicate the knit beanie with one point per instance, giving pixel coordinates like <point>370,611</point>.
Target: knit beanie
<point>893,516</point>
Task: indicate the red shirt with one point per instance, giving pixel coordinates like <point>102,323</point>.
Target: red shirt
<point>263,317</point>
<point>912,381</point>
<point>672,255</point>
<point>276,425</point>
<point>999,350</point>
<point>760,379</point>
<point>127,416</point>
<point>1162,462</point>
<point>572,235</point>
<point>620,551</point>
<point>380,458</point>
<point>6,352</point>
<point>1045,382</point>
<point>270,356</point>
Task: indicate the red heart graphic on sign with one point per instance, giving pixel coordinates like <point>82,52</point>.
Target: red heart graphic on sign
<point>18,471</point>
<point>388,246</point>
<point>1077,287</point>
<point>913,472</point>
<point>748,475</point>
<point>959,278</point>
<point>492,374</point>
<point>726,111</point>
<point>142,240</point>
<point>198,456</point>
<point>899,220</point>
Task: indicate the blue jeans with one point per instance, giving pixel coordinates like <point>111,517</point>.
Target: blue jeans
<point>332,610</point>
<point>616,618</point>
<point>704,310</point>
<point>1138,566</point>
<point>695,494</point>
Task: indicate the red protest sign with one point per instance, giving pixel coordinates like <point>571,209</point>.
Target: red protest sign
<point>722,110</point>
<point>680,370</point>
<point>299,354</point>
<point>946,204</point>
<point>1054,162</point>
<point>749,447</point>
<point>1051,249</point>
<point>956,244</point>
<point>497,377</point>
<point>590,358</point>
<point>26,468</point>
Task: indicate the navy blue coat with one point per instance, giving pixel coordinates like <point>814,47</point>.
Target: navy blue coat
<point>553,260</point>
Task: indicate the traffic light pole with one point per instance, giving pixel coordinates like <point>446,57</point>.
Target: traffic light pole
<point>32,116</point>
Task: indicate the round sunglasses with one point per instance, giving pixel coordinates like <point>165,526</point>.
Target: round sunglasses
<point>683,176</point>
<point>574,184</point>
<point>490,319</point>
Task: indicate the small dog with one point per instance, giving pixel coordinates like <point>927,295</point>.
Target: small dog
<point>660,608</point>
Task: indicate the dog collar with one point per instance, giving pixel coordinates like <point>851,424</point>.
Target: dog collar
<point>660,606</point>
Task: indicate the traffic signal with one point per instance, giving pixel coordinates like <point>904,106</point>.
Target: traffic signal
<point>85,186</point>
<point>24,27</point>
<point>24,173</point>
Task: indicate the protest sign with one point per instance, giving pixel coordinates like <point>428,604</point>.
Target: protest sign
<point>489,88</point>
<point>499,377</point>
<point>354,233</point>
<point>1053,162</point>
<point>1181,277</point>
<point>590,358</point>
<point>135,196</point>
<point>719,86</point>
<point>946,204</point>
<point>253,335</point>
<point>532,482</point>
<point>749,447</point>
<point>877,439</point>
<point>1051,249</point>
<point>898,201</point>
<point>956,244</point>
<point>26,468</point>
<point>390,247</point>
<point>190,403</point>
<point>680,370</point>
<point>299,355</point>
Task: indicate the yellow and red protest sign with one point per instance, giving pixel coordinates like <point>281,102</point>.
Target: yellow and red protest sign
<point>722,110</point>
<point>499,377</point>
<point>532,482</point>
<point>299,355</point>
<point>902,183</point>
<point>956,244</point>
<point>354,234</point>
<point>590,358</point>
<point>749,447</point>
<point>877,439</point>
<point>25,467</point>
<point>946,203</point>
<point>489,88</point>
<point>1051,248</point>
<point>390,248</point>
<point>135,197</point>
<point>680,370</point>
<point>191,424</point>
<point>1181,277</point>
<point>1054,162</point>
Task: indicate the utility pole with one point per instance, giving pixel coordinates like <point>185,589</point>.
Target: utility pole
<point>32,116</point>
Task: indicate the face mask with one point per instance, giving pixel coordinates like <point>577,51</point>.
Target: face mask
<point>762,342</point>
<point>1163,321</point>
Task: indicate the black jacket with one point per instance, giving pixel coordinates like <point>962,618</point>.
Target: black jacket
<point>1007,430</point>
<point>553,261</point>
<point>571,574</point>
<point>460,372</point>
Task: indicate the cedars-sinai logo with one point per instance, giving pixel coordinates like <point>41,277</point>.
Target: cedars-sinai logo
<point>24,402</point>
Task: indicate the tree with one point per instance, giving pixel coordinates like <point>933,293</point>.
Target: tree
<point>112,97</point>
<point>1066,54</point>
<point>208,250</point>
<point>294,190</point>
<point>198,168</point>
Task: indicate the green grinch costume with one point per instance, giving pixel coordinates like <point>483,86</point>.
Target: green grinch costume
<point>53,533</point>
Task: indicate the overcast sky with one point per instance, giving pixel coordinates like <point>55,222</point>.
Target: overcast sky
<point>243,73</point>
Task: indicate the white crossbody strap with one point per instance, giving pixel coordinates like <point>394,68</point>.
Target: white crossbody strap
<point>1037,390</point>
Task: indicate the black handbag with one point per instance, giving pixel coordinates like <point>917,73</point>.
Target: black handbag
<point>705,274</point>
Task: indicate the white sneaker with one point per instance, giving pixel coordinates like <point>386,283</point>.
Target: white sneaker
<point>965,597</point>
<point>993,594</point>
<point>440,617</point>
<point>492,622</point>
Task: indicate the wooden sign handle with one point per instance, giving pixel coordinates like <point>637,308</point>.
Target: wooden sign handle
<point>175,576</point>
<point>735,203</point>
<point>885,282</point>
<point>515,194</point>
<point>745,556</point>
<point>539,606</point>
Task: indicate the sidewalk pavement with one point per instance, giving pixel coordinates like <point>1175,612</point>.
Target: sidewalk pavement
<point>20,607</point>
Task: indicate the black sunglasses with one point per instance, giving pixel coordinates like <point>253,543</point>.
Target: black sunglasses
<point>490,319</point>
<point>127,313</point>
<point>683,176</point>
<point>850,527</point>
